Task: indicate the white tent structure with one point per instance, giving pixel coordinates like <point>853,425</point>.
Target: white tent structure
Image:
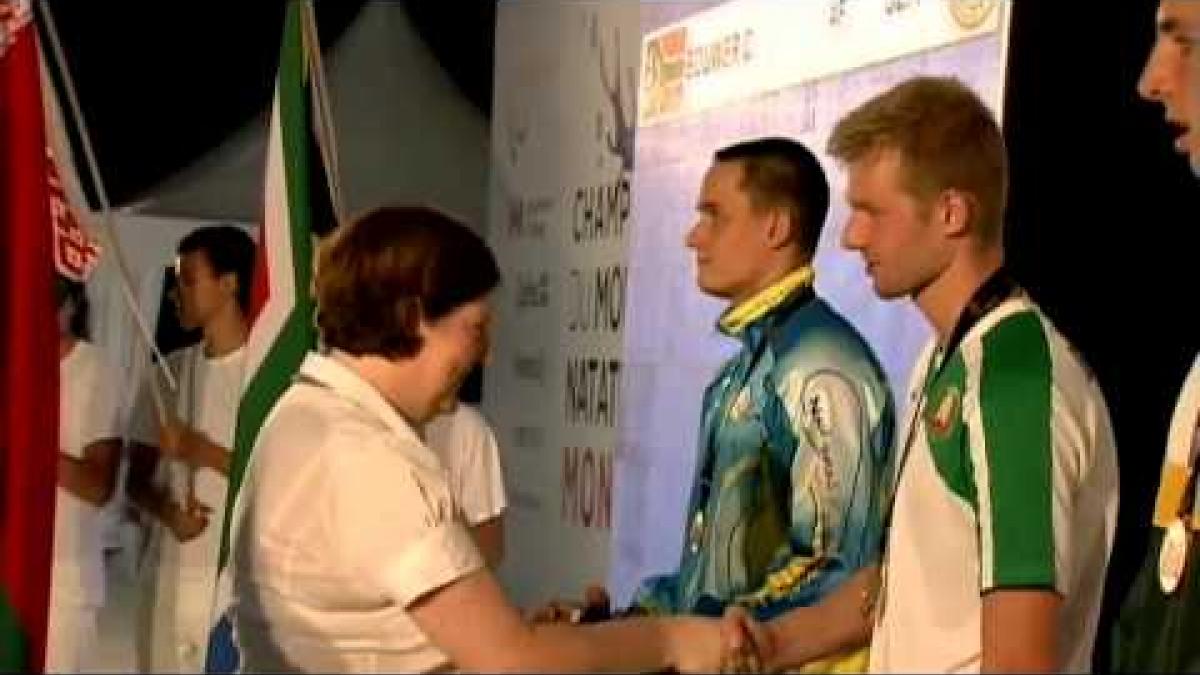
<point>398,119</point>
<point>404,134</point>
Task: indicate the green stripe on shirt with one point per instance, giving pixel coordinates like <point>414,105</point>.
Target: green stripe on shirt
<point>1015,407</point>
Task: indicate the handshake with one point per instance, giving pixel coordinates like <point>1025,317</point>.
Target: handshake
<point>733,643</point>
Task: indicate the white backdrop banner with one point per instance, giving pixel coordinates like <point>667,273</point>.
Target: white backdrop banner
<point>603,344</point>
<point>559,211</point>
<point>741,70</point>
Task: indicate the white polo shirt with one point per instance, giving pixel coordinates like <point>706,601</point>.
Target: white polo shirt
<point>469,452</point>
<point>1010,483</point>
<point>345,518</point>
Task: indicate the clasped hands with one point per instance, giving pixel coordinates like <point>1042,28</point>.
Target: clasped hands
<point>181,443</point>
<point>734,643</point>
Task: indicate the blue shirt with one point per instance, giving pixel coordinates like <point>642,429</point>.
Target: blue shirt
<point>795,443</point>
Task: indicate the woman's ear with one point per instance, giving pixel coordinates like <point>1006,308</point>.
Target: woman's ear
<point>409,315</point>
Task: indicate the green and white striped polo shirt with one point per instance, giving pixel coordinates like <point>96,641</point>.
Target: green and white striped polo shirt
<point>1010,483</point>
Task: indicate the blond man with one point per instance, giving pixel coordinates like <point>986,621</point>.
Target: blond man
<point>1001,519</point>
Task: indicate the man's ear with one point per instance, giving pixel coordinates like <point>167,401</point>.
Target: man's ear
<point>780,230</point>
<point>952,211</point>
<point>229,283</point>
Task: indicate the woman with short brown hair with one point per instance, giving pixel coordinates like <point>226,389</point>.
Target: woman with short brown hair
<point>348,552</point>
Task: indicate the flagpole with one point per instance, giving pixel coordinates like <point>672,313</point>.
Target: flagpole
<point>326,137</point>
<point>106,213</point>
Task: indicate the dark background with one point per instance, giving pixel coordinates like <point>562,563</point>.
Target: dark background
<point>161,83</point>
<point>1102,218</point>
<point>1102,230</point>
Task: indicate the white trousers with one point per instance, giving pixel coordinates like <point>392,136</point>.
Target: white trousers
<point>72,638</point>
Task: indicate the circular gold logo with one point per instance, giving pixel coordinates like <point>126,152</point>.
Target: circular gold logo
<point>971,14</point>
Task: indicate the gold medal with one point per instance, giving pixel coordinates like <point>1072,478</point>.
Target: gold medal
<point>1172,557</point>
<point>696,532</point>
<point>870,596</point>
<point>879,594</point>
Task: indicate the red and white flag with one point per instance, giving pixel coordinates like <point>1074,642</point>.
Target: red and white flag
<point>28,349</point>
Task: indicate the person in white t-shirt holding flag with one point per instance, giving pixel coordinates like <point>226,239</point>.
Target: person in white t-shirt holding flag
<point>87,471</point>
<point>179,466</point>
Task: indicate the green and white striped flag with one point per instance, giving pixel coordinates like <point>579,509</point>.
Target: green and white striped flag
<point>297,205</point>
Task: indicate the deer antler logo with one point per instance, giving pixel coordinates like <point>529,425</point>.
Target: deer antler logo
<point>618,91</point>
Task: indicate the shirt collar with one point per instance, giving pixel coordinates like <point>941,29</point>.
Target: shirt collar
<point>736,319</point>
<point>228,357</point>
<point>991,294</point>
<point>332,373</point>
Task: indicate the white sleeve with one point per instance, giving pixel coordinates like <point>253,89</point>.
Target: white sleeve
<point>482,496</point>
<point>101,422</point>
<point>394,522</point>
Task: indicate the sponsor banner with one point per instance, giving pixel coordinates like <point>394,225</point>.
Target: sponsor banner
<point>727,73</point>
<point>745,48</point>
<point>562,139</point>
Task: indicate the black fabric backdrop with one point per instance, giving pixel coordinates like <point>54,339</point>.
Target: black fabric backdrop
<point>1103,230</point>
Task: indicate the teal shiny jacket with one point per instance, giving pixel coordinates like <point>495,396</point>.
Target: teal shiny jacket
<point>794,450</point>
